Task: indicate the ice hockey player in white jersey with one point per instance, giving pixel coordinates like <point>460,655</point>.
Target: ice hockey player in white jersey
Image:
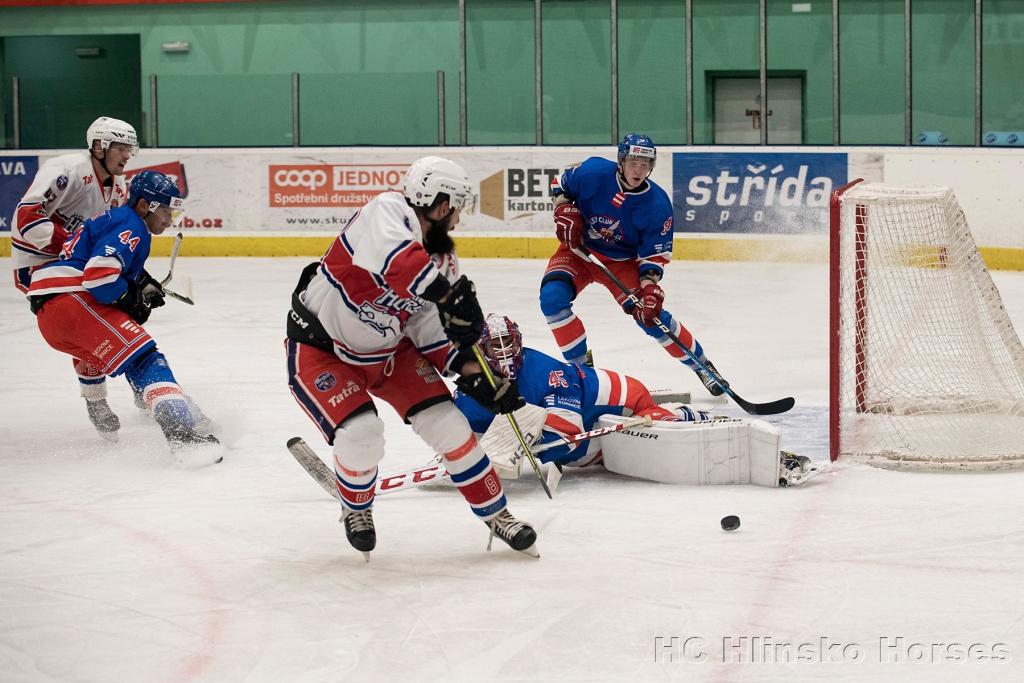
<point>384,313</point>
<point>68,190</point>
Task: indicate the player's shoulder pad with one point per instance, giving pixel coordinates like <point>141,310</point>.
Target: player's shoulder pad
<point>391,206</point>
<point>69,168</point>
<point>596,166</point>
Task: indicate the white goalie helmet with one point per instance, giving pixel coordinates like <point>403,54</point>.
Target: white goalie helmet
<point>429,176</point>
<point>108,130</point>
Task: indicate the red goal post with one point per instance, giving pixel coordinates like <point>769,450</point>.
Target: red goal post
<point>925,368</point>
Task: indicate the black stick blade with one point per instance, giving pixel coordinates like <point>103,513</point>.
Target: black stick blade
<point>770,408</point>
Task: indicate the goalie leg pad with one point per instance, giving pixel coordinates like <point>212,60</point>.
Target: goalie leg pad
<point>447,431</point>
<point>699,453</point>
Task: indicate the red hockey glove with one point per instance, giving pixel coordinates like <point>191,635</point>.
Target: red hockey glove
<point>569,225</point>
<point>651,297</point>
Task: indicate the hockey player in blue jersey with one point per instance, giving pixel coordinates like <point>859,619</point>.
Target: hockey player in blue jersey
<point>685,446</point>
<point>93,301</point>
<point>574,395</point>
<point>624,219</point>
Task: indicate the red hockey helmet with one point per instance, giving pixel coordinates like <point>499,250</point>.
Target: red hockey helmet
<point>502,345</point>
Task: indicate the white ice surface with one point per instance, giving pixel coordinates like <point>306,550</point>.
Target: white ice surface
<point>115,565</point>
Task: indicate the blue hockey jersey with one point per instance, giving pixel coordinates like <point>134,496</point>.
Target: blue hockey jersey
<point>98,258</point>
<point>620,224</point>
<point>575,396</point>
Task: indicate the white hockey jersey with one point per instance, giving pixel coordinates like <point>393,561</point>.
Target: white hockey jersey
<point>366,290</point>
<point>64,193</point>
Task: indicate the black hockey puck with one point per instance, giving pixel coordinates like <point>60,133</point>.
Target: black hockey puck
<point>731,523</point>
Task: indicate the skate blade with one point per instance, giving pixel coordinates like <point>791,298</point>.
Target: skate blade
<point>112,437</point>
<point>531,552</point>
<point>366,556</point>
<point>199,455</point>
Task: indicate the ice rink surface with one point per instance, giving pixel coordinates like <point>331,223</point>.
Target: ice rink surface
<point>117,566</point>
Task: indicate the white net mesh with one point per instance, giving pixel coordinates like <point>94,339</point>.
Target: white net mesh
<point>931,369</point>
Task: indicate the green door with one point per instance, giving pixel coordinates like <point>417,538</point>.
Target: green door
<point>66,82</point>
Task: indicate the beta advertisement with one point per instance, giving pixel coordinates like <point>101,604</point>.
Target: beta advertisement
<point>752,192</point>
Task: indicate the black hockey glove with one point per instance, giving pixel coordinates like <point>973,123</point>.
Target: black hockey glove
<point>152,291</point>
<point>461,317</point>
<point>503,398</point>
<point>133,303</point>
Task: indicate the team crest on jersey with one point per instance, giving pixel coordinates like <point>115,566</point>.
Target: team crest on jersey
<point>62,182</point>
<point>377,318</point>
<point>666,227</point>
<point>325,381</point>
<point>605,229</point>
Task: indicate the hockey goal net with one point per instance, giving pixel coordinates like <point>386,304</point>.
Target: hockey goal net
<point>926,370</point>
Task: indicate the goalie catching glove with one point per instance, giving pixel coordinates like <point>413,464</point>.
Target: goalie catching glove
<point>460,312</point>
<point>650,296</point>
<point>569,225</point>
<point>502,398</point>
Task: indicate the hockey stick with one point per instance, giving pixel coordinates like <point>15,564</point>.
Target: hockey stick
<point>431,472</point>
<point>427,473</point>
<point>180,297</point>
<point>313,465</point>
<point>512,420</point>
<point>175,248</point>
<point>401,481</point>
<point>769,408</point>
<point>644,421</point>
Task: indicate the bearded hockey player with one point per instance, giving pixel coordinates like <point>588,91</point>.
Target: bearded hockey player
<point>384,314</point>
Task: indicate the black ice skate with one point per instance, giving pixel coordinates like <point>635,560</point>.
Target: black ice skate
<point>359,529</point>
<point>517,534</point>
<point>709,382</point>
<point>103,418</point>
<point>796,469</point>
<point>588,359</point>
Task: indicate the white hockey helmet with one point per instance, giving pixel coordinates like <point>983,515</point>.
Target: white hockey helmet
<point>429,176</point>
<point>108,130</point>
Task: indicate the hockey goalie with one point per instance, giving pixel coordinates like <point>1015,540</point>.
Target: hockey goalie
<point>566,402</point>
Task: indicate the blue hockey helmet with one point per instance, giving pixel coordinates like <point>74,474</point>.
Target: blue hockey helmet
<point>637,145</point>
<point>157,189</point>
<point>502,345</point>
